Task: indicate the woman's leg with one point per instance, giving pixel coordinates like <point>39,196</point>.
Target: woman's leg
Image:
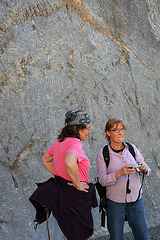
<point>115,219</point>
<point>137,221</point>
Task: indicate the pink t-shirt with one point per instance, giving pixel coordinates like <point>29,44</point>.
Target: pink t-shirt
<point>59,150</point>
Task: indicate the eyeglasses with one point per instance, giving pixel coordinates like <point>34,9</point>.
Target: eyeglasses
<point>117,130</point>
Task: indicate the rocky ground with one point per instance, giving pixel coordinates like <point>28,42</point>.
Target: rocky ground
<point>154,234</point>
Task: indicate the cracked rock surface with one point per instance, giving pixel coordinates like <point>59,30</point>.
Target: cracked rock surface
<point>55,55</point>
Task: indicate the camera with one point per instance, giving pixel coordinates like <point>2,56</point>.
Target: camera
<point>136,167</point>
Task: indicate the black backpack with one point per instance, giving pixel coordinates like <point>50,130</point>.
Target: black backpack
<point>102,190</point>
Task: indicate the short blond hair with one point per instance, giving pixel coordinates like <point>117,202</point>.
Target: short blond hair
<point>110,124</point>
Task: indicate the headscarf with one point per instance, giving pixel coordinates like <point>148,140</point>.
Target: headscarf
<point>77,117</point>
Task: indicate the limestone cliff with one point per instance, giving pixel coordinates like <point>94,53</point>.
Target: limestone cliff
<point>100,55</point>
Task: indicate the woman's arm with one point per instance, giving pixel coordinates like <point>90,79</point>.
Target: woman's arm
<point>71,166</point>
<point>108,179</point>
<point>140,160</point>
<point>48,162</point>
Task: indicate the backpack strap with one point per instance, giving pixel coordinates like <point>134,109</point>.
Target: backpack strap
<point>102,190</point>
<point>47,216</point>
<point>106,155</point>
<point>131,149</point>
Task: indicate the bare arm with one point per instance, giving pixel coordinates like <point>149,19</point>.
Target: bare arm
<point>48,162</point>
<point>71,166</point>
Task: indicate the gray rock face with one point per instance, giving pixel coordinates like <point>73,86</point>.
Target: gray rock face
<point>102,56</point>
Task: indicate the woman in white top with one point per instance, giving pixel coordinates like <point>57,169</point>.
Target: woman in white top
<point>122,198</point>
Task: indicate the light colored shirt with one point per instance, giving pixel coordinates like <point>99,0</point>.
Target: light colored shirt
<point>59,150</point>
<point>116,189</point>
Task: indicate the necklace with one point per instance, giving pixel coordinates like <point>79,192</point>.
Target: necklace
<point>117,151</point>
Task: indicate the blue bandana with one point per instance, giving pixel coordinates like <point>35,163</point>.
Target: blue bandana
<point>76,117</point>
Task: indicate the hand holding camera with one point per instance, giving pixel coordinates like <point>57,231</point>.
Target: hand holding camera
<point>140,167</point>
<point>124,171</point>
<point>143,168</point>
<point>137,167</point>
<point>130,169</point>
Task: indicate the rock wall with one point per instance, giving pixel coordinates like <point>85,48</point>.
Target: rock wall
<point>56,55</point>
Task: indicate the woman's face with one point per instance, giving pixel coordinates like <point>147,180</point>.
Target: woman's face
<point>83,133</point>
<point>116,133</point>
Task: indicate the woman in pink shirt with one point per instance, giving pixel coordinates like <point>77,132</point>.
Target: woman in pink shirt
<point>122,200</point>
<point>69,195</point>
<point>66,158</point>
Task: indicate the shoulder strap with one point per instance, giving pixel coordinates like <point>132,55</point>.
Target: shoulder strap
<point>131,149</point>
<point>103,189</point>
<point>106,155</point>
